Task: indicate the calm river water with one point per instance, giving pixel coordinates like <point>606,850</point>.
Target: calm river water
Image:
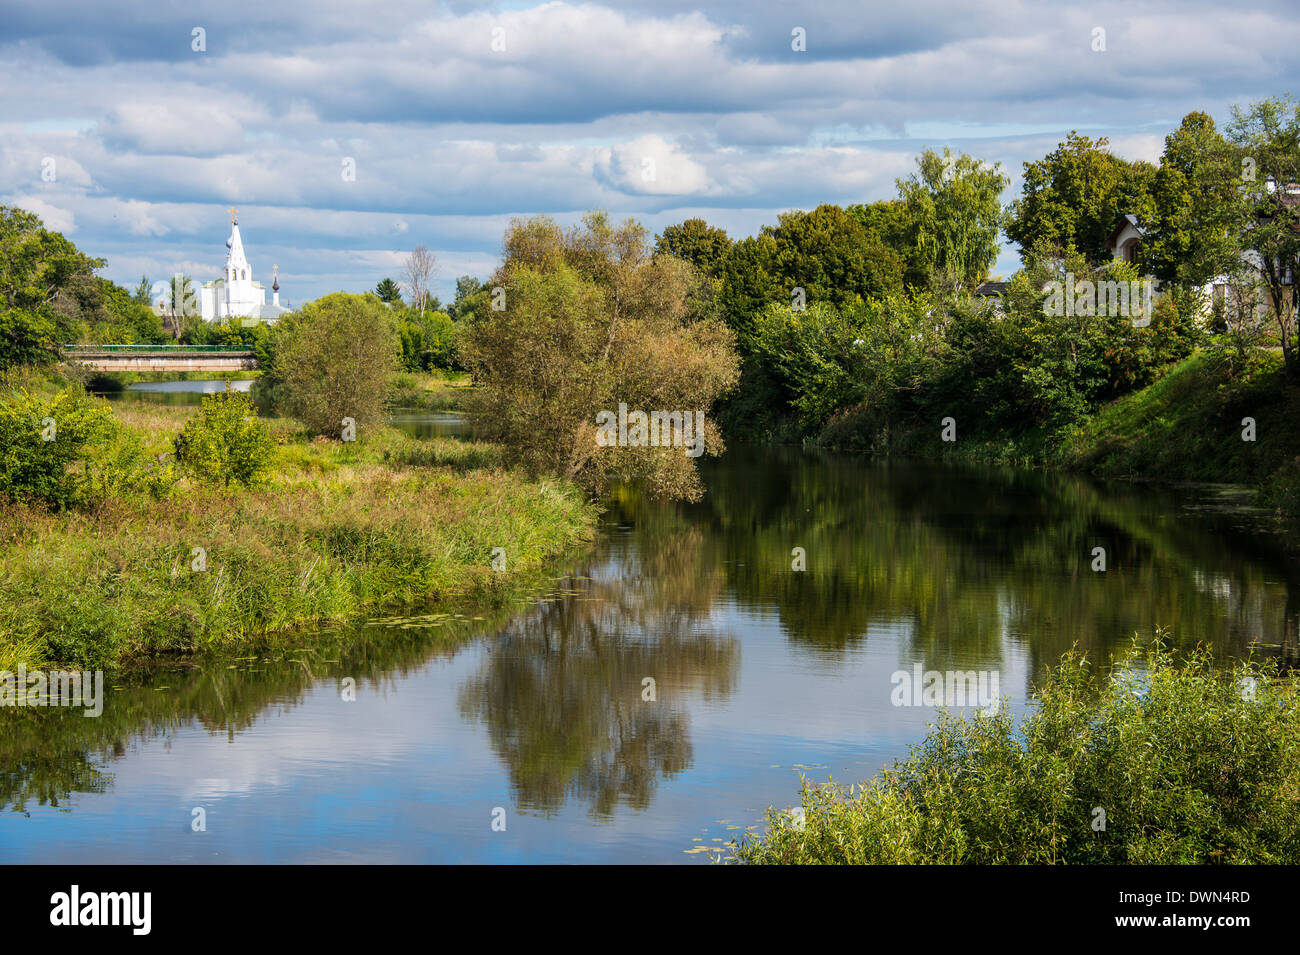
<point>536,716</point>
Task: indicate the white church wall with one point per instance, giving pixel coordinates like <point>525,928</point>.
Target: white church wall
<point>235,294</point>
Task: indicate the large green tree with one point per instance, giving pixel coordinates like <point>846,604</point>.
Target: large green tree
<point>826,255</point>
<point>43,277</point>
<point>702,245</point>
<point>830,255</point>
<point>888,220</point>
<point>1195,230</point>
<point>954,215</point>
<point>116,316</point>
<point>1073,196</point>
<point>589,319</point>
<point>335,361</point>
<point>749,284</point>
<point>1267,135</point>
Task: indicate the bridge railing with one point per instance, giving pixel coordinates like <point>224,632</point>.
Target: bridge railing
<point>167,349</point>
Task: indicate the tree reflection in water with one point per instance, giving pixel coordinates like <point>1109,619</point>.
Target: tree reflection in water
<point>562,690</point>
<point>968,565</point>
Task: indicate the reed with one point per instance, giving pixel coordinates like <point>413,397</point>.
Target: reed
<point>339,530</point>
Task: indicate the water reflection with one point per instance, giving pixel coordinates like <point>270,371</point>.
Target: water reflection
<point>174,392</point>
<point>432,424</point>
<point>584,697</point>
<point>969,558</point>
<point>757,668</point>
<point>46,755</point>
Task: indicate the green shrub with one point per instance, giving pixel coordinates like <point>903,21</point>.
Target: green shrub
<point>428,341</point>
<point>120,465</point>
<point>46,444</point>
<point>225,442</point>
<point>1188,763</point>
<point>1282,490</point>
<point>335,360</point>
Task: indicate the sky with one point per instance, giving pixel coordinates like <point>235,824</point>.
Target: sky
<point>347,133</point>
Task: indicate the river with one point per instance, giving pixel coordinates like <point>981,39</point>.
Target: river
<point>527,736</point>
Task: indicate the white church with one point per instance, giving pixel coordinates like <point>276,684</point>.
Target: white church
<point>235,293</point>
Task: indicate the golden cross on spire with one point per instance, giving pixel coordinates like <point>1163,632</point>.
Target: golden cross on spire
<point>233,213</point>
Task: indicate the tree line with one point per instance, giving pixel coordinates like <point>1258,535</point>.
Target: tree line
<point>858,326</point>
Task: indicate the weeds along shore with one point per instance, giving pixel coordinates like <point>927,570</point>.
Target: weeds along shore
<point>336,530</point>
<point>1153,759</point>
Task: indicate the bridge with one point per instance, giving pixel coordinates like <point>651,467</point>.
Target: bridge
<point>160,357</point>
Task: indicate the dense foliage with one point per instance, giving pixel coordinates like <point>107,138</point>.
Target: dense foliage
<point>586,320</point>
<point>862,327</point>
<point>224,442</point>
<point>46,446</point>
<point>50,296</point>
<point>1072,198</point>
<point>1159,761</point>
<point>335,360</point>
<point>428,340</point>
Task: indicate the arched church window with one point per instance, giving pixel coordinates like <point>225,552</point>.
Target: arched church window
<point>243,274</point>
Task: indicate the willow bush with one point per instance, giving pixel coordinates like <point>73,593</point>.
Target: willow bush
<point>225,442</point>
<point>1160,761</point>
<point>578,322</point>
<point>335,359</point>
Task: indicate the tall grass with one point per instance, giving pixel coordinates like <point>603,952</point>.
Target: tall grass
<point>340,529</point>
<point>1188,424</point>
<point>430,391</point>
<point>1157,761</point>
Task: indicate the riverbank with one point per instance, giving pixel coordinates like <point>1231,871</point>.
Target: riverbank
<point>760,672</point>
<point>339,530</point>
<point>430,391</point>
<point>1100,772</point>
<point>1189,425</point>
<point>1206,419</point>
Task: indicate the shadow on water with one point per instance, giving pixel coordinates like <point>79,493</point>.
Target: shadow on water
<point>971,557</point>
<point>172,392</point>
<point>669,683</point>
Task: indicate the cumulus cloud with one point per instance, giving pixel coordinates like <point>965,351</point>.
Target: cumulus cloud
<point>651,165</point>
<point>55,218</point>
<point>193,126</point>
<point>656,109</point>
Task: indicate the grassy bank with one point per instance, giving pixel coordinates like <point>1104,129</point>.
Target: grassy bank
<point>1155,761</point>
<point>1185,426</point>
<point>340,529</point>
<point>433,391</point>
<point>1189,425</point>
